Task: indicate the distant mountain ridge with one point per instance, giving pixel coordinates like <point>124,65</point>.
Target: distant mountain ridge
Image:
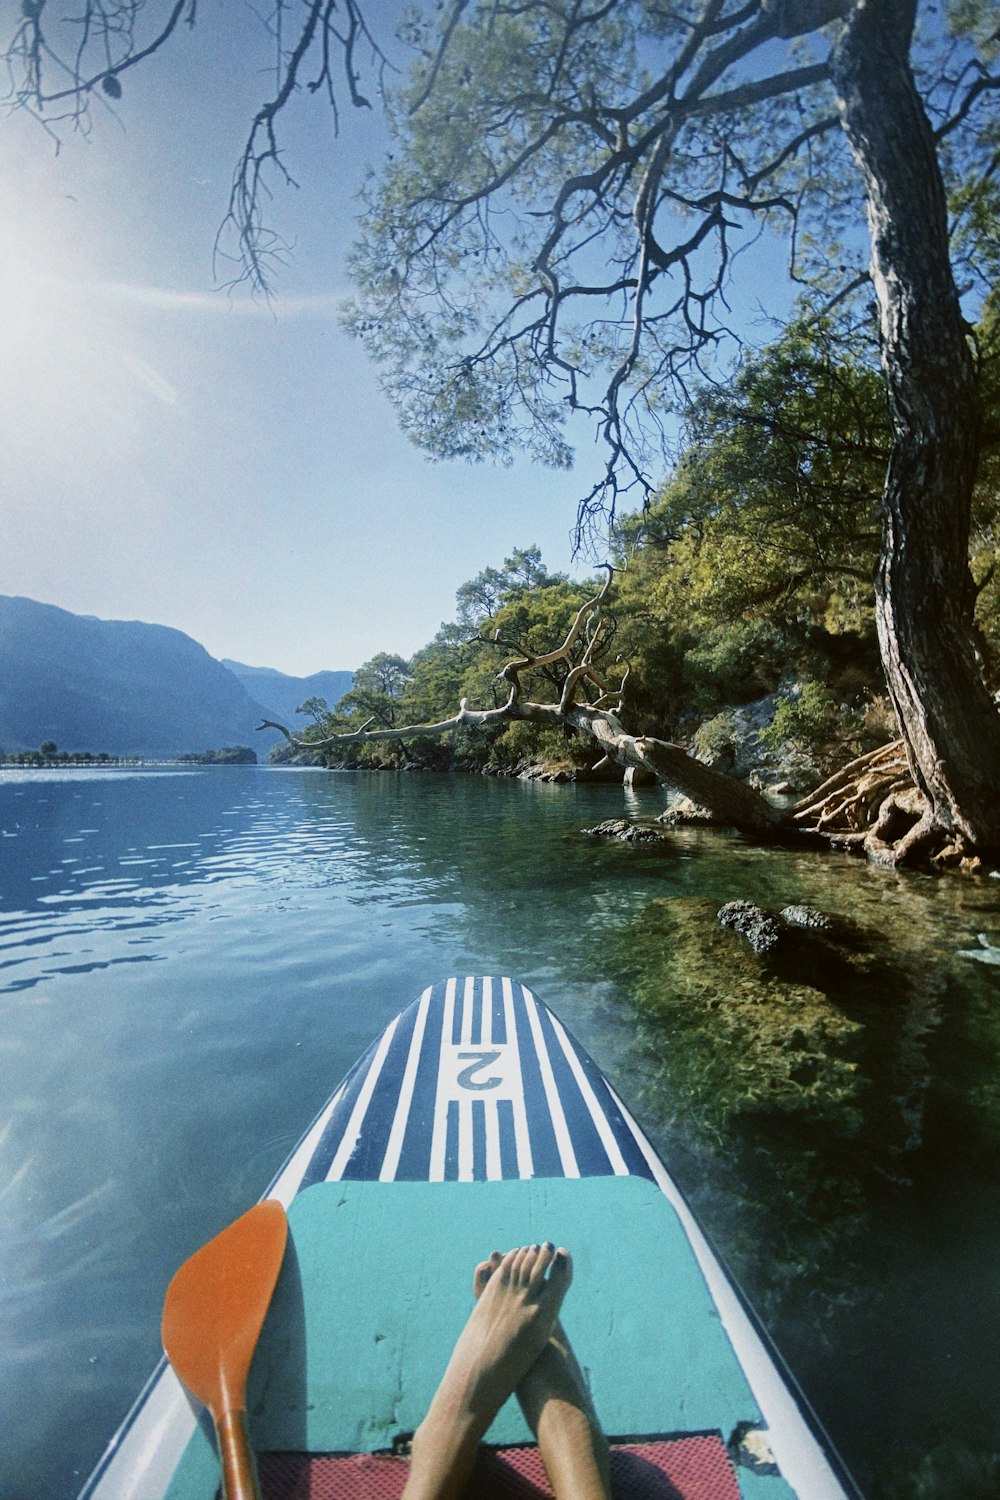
<point>284,694</point>
<point>123,686</point>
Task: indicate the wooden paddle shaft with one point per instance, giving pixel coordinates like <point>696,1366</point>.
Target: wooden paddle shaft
<point>239,1473</point>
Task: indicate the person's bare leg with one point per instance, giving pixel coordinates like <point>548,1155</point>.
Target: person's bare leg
<point>509,1326</point>
<point>556,1404</point>
<point>558,1409</point>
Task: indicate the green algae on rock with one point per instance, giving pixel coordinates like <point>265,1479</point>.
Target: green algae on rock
<point>799,1071</point>
<point>742,1031</point>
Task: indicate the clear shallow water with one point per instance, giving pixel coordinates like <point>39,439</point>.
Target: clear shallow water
<point>190,961</point>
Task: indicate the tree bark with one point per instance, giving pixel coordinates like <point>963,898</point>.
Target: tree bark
<point>924,589</point>
<point>728,800</point>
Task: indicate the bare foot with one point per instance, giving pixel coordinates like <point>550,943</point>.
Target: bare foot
<point>556,1403</point>
<point>519,1301</point>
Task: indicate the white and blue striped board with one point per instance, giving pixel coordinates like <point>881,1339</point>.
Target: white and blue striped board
<point>479,1083</point>
<point>476,1082</point>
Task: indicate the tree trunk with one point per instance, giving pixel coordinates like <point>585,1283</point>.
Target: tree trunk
<point>723,797</point>
<point>924,589</point>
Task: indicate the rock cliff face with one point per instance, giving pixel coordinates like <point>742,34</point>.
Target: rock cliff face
<point>121,686</point>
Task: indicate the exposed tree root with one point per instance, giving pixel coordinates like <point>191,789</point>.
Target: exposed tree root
<point>872,807</point>
<point>849,805</point>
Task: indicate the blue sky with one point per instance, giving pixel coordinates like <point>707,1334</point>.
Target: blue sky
<point>172,453</point>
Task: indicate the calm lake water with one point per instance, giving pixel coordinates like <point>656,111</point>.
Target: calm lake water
<point>190,960</point>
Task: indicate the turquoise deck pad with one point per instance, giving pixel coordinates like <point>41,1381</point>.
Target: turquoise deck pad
<point>378,1283</point>
<point>384,1286</point>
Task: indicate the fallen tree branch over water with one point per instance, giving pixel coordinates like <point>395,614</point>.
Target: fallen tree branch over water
<point>871,806</point>
<point>589,705</point>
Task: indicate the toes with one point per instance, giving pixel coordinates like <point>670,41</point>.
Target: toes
<point>542,1261</point>
<point>559,1277</point>
<point>536,1267</point>
<point>562,1268</point>
<point>505,1265</point>
<point>483,1272</point>
<point>524,1259</point>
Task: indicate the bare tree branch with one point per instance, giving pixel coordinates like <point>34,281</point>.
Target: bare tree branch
<point>109,27</point>
<point>257,247</point>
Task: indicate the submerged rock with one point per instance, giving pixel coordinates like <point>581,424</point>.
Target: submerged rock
<point>764,929</point>
<point>805,1067</point>
<point>806,916</point>
<point>744,1030</point>
<point>631,833</point>
<point>758,926</point>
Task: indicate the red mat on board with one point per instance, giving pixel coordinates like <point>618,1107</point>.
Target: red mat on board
<point>690,1468</point>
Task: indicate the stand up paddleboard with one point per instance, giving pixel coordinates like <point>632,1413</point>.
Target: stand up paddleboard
<point>475,1122</point>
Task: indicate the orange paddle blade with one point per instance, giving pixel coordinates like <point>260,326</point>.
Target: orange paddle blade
<point>215,1306</point>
